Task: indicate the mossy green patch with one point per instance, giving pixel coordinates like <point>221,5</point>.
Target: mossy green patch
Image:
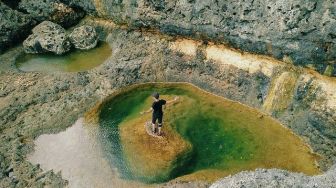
<point>329,70</point>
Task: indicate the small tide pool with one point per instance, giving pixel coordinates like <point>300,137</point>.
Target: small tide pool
<point>75,61</point>
<point>206,137</point>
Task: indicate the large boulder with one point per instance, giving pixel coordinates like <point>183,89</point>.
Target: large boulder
<point>48,27</point>
<point>32,45</point>
<point>47,37</point>
<point>84,37</point>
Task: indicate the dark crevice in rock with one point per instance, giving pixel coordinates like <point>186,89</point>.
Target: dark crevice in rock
<point>12,3</point>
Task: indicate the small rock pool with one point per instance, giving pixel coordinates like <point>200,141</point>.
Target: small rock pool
<point>206,137</point>
<point>74,61</point>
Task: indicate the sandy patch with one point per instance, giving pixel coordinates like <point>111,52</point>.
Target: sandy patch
<point>185,46</point>
<point>248,62</point>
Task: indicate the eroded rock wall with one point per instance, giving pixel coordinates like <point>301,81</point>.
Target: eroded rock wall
<point>303,101</point>
<point>301,31</point>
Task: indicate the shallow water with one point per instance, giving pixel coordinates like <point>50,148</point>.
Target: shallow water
<point>226,138</point>
<point>75,61</point>
<point>77,154</point>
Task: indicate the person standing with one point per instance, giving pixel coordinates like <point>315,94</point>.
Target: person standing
<point>157,112</point>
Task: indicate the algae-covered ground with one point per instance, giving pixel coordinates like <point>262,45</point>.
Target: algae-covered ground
<point>225,137</point>
<point>152,159</point>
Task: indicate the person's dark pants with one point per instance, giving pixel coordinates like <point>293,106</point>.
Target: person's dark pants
<point>157,117</point>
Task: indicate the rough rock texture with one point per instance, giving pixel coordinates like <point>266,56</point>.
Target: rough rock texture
<point>300,31</point>
<point>277,178</point>
<point>84,37</point>
<point>32,45</point>
<point>48,27</point>
<point>36,103</point>
<point>52,10</point>
<point>17,18</point>
<point>47,37</point>
<point>87,6</point>
<point>13,26</point>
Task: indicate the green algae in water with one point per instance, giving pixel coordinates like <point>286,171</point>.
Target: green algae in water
<point>111,115</point>
<point>226,137</point>
<point>78,60</point>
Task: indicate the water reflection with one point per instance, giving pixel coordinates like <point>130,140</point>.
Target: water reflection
<point>76,153</point>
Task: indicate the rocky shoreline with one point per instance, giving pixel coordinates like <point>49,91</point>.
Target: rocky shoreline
<point>37,103</point>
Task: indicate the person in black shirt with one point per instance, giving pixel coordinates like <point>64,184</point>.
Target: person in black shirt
<point>157,114</point>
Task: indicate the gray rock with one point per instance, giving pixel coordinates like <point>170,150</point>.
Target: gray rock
<point>40,10</point>
<point>32,45</point>
<point>84,37</point>
<point>48,27</point>
<point>17,18</point>
<point>47,37</point>
<point>277,178</point>
<point>14,26</point>
<point>52,10</point>
<point>87,6</point>
<point>303,30</point>
<point>56,43</point>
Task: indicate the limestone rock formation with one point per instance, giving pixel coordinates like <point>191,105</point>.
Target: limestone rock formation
<point>302,30</point>
<point>84,37</point>
<point>52,10</point>
<point>13,26</point>
<point>17,18</point>
<point>47,37</point>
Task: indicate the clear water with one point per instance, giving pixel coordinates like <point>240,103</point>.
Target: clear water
<point>226,137</point>
<point>77,154</point>
<point>75,61</point>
